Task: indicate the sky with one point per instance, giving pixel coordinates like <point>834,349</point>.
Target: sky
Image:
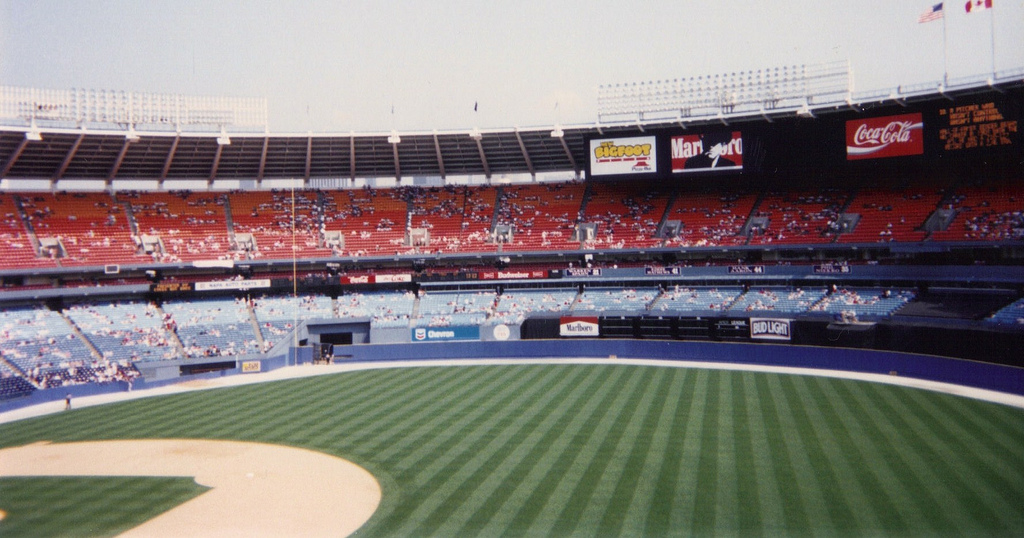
<point>383,65</point>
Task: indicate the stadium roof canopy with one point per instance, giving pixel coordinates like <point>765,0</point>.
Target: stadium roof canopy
<point>68,153</point>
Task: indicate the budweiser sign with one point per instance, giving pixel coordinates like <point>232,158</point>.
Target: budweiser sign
<point>888,136</point>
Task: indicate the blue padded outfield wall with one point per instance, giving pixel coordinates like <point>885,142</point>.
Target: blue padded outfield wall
<point>957,371</point>
<point>983,375</point>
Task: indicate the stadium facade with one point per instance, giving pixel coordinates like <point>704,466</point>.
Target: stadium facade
<point>142,253</point>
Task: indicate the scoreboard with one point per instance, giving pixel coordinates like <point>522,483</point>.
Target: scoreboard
<point>977,125</point>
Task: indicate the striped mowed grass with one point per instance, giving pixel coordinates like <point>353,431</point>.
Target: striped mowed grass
<point>591,450</point>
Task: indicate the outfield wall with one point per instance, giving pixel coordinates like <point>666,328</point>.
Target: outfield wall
<point>956,371</point>
<point>984,375</point>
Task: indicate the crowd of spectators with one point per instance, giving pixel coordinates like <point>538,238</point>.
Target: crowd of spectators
<point>60,229</point>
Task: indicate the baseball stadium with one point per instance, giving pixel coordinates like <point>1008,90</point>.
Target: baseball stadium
<point>745,303</point>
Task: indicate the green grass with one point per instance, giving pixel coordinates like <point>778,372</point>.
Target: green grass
<point>602,450</point>
<point>87,506</point>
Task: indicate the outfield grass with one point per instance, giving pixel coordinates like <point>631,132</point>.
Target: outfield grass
<point>557,450</point>
<point>82,506</point>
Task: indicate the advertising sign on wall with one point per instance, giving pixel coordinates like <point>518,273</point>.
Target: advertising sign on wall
<point>578,326</point>
<point>886,136</point>
<point>445,334</point>
<point>233,285</point>
<point>707,152</point>
<point>770,329</point>
<point>620,156</point>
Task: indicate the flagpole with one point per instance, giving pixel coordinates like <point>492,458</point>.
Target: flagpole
<point>992,34</point>
<point>945,52</point>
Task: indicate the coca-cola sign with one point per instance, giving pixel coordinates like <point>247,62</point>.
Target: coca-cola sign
<point>888,136</point>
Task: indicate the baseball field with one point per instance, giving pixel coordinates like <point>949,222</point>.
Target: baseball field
<point>537,450</point>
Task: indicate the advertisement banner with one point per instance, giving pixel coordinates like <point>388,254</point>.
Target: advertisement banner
<point>583,271</point>
<point>390,279</point>
<point>770,329</point>
<point>616,156</point>
<point>707,152</point>
<point>219,285</point>
<point>746,269</point>
<point>578,326</point>
<point>830,269</point>
<point>445,334</point>
<point>170,287</point>
<point>886,136</point>
<point>511,275</point>
<point>662,271</point>
<point>250,367</point>
<point>376,279</point>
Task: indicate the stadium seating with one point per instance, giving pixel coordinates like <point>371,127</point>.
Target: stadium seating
<point>628,213</point>
<point>447,309</point>
<point>895,211</point>
<point>372,221</point>
<point>681,300</point>
<point>1012,314</point>
<point>458,219</point>
<point>800,217</point>
<point>13,385</point>
<point>514,305</point>
<point>124,330</point>
<point>777,299</point>
<point>711,218</point>
<point>863,302</point>
<point>277,315</point>
<point>190,226</point>
<point>542,216</point>
<point>384,308</point>
<point>213,327</point>
<point>16,244</point>
<point>267,215</point>
<point>988,209</point>
<point>92,228</point>
<point>43,346</point>
<point>98,229</point>
<point>634,300</point>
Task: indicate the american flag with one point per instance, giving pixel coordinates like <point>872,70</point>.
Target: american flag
<point>933,14</point>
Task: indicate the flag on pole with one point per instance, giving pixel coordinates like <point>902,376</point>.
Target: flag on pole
<point>933,14</point>
<point>977,5</point>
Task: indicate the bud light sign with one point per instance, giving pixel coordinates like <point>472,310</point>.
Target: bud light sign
<point>888,136</point>
<point>770,329</point>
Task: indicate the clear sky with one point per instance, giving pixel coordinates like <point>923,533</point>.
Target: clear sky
<point>340,66</point>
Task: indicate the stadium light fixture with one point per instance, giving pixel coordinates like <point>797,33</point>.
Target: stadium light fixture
<point>131,135</point>
<point>223,139</point>
<point>394,138</point>
<point>558,132</point>
<point>33,133</point>
<point>805,112</point>
<point>475,134</point>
